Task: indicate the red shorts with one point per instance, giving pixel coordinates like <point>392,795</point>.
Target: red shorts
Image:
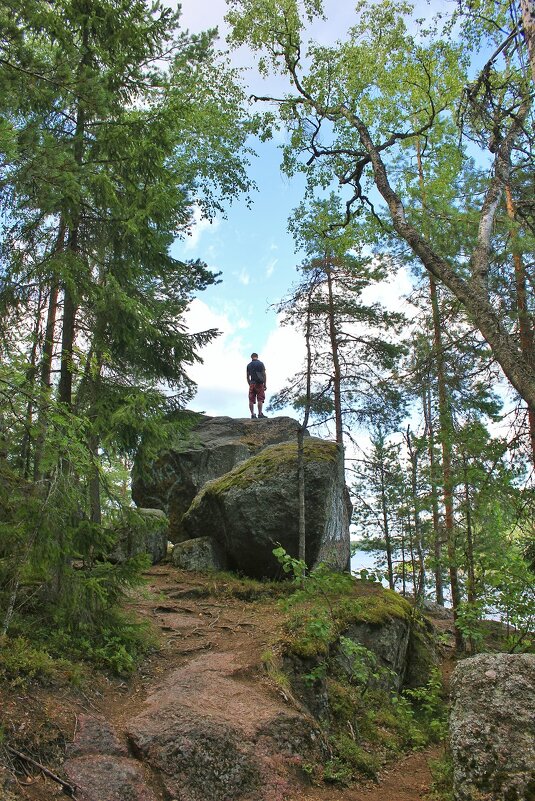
<point>257,392</point>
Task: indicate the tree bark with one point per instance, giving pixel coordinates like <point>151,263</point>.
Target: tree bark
<point>386,527</point>
<point>46,360</point>
<point>524,317</point>
<point>527,8</point>
<point>31,373</point>
<point>300,442</point>
<point>437,532</point>
<point>445,434</point>
<point>333,336</point>
<point>419,585</point>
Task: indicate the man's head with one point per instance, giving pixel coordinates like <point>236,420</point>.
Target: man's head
<point>254,355</point>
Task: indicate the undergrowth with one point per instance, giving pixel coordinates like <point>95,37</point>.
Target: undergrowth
<point>345,684</point>
<point>82,622</point>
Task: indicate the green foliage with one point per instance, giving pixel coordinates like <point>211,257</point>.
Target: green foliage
<point>442,773</point>
<point>351,759</point>
<point>362,665</point>
<point>430,708</point>
<point>21,663</point>
<point>367,722</point>
<point>116,128</point>
<point>325,602</point>
<point>469,617</point>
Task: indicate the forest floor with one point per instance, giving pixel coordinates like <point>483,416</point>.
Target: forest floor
<point>212,646</point>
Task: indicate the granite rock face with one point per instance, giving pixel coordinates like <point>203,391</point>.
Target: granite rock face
<point>492,728</point>
<point>213,447</point>
<point>252,508</point>
<point>99,765</point>
<point>229,490</point>
<point>201,553</point>
<point>389,641</point>
<point>212,735</point>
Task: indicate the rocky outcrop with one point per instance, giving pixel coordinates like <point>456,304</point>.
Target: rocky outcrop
<point>100,767</point>
<point>254,506</point>
<point>210,448</point>
<point>229,489</point>
<point>210,733</point>
<point>389,642</point>
<point>492,728</point>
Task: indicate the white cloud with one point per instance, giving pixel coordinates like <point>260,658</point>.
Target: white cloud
<point>199,227</point>
<point>243,277</point>
<point>270,268</point>
<point>283,356</point>
<point>392,292</point>
<point>222,386</point>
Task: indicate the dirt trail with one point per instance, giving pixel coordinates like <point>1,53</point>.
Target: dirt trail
<point>209,666</point>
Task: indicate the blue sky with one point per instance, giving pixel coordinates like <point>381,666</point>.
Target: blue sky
<point>253,250</point>
<point>255,254</point>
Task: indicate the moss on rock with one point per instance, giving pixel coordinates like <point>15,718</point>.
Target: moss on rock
<point>265,465</point>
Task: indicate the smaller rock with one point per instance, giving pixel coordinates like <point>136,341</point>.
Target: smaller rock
<point>436,610</point>
<point>94,735</point>
<point>491,728</point>
<point>106,778</point>
<point>389,642</point>
<point>200,553</point>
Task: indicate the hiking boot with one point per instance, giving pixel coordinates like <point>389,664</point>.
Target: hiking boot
<point>253,417</point>
<point>262,415</point>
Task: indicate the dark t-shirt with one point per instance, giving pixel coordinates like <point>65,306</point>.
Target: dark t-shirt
<point>256,372</point>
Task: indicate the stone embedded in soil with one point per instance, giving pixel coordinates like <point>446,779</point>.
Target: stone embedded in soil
<point>95,735</point>
<point>107,778</point>
<point>210,734</point>
<point>199,759</point>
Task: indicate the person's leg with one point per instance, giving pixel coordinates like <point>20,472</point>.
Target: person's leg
<point>252,395</point>
<point>261,396</point>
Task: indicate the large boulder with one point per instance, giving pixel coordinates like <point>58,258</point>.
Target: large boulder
<point>255,506</point>
<point>210,448</point>
<point>492,728</point>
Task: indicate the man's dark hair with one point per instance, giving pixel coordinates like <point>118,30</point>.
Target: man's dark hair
<point>254,355</point>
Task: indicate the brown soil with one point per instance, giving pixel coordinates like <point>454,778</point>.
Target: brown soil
<point>206,641</point>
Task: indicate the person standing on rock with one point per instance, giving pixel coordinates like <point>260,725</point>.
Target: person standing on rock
<point>256,378</point>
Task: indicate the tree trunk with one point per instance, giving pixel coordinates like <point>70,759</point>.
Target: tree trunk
<point>413,456</point>
<point>470,565</point>
<point>25,450</point>
<point>524,317</point>
<point>437,531</point>
<point>300,441</point>
<point>528,23</point>
<point>333,336</point>
<point>45,375</point>
<point>471,293</point>
<point>445,434</point>
<point>403,570</point>
<point>386,528</point>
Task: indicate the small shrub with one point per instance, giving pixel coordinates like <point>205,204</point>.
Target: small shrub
<point>430,708</point>
<point>442,774</point>
<point>21,662</point>
<point>336,771</point>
